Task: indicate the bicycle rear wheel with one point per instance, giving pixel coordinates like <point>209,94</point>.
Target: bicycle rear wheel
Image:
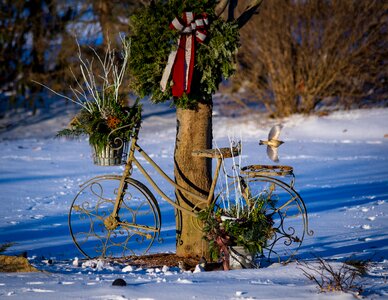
<point>289,215</point>
<point>286,209</point>
<point>97,233</point>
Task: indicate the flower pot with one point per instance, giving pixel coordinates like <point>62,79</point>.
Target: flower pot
<point>240,258</point>
<point>110,155</point>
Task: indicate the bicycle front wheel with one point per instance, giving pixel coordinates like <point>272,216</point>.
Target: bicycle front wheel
<point>98,233</point>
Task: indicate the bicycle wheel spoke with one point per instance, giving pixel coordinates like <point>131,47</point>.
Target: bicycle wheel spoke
<point>289,216</point>
<point>139,229</point>
<point>97,232</point>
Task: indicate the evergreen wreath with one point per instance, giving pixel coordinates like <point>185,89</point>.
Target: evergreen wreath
<point>152,41</point>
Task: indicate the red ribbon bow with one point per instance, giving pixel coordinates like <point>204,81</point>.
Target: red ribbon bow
<point>181,61</point>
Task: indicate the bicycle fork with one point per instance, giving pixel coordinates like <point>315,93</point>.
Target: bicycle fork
<point>113,221</point>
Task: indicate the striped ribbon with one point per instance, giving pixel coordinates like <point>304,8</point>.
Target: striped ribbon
<point>181,61</point>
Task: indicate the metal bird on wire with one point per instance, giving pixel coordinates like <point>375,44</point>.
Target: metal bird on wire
<point>273,142</point>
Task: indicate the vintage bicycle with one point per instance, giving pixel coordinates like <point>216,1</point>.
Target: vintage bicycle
<point>118,216</point>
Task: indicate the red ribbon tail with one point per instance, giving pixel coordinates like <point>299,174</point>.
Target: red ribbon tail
<point>178,71</point>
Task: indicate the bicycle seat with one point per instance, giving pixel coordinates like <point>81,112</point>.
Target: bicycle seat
<point>217,153</point>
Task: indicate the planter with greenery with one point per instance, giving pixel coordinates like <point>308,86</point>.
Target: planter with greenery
<point>109,127</point>
<point>247,224</point>
<point>105,116</point>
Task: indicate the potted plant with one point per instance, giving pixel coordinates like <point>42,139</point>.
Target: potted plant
<point>109,127</point>
<point>239,232</point>
<point>104,116</point>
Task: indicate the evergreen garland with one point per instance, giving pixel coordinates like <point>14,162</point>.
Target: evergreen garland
<point>152,41</point>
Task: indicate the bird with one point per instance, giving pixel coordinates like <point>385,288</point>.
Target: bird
<point>273,142</point>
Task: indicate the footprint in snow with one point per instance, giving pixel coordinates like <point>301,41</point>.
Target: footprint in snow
<point>117,297</point>
<point>37,217</point>
<point>184,281</point>
<point>240,293</point>
<point>366,239</point>
<point>38,290</point>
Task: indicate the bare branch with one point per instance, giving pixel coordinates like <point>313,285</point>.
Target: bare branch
<point>231,9</point>
<point>250,10</point>
<point>93,88</point>
<point>298,54</point>
<point>221,6</point>
<point>60,95</point>
<point>331,277</point>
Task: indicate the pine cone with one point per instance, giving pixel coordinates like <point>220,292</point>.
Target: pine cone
<point>113,122</point>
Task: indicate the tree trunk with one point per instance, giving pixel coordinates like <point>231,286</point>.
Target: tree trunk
<point>285,99</point>
<point>103,10</point>
<point>39,45</point>
<point>194,132</point>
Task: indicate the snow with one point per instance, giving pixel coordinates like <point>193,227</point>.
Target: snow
<point>341,167</point>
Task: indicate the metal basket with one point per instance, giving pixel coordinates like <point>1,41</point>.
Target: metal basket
<point>113,154</point>
<point>240,258</point>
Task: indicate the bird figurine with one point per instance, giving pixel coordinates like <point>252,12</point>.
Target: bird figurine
<point>273,142</point>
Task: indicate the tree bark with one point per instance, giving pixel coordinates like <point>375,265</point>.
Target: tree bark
<point>194,132</point>
<point>103,10</point>
<point>39,45</point>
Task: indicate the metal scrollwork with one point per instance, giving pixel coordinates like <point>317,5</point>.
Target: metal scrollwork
<point>290,220</point>
<point>98,233</point>
<point>289,214</point>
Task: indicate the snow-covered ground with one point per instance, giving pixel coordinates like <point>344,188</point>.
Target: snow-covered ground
<point>341,167</point>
